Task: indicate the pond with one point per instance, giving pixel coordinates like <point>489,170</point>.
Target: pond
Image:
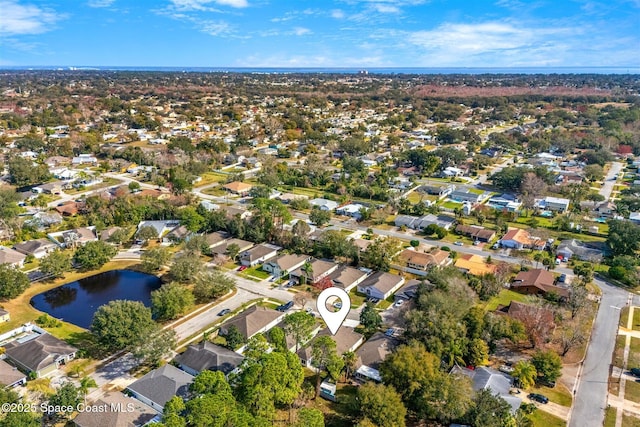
<point>76,302</point>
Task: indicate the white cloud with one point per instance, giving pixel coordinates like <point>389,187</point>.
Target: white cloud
<point>385,8</point>
<point>215,28</point>
<point>20,19</point>
<point>337,14</point>
<point>202,5</point>
<point>100,3</point>
<point>320,61</point>
<point>301,31</point>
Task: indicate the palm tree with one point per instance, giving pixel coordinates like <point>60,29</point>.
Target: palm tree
<point>537,257</point>
<point>350,359</point>
<point>307,269</point>
<point>85,384</point>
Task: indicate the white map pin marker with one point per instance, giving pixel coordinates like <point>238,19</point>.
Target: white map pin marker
<point>333,319</point>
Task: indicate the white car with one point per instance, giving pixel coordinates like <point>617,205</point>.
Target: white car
<point>399,303</point>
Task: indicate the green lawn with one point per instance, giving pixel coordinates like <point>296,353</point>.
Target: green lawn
<point>357,299</point>
<point>544,419</point>
<point>559,394</point>
<point>630,421</point>
<point>256,272</point>
<point>504,298</point>
<point>632,391</point>
<point>610,417</point>
<point>451,205</point>
<point>210,178</point>
<point>214,191</point>
<point>636,319</point>
<point>624,316</point>
<point>619,350</point>
<point>634,353</point>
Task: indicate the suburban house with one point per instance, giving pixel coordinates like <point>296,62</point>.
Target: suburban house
<point>555,204</point>
<point>10,376</point>
<point>423,222</point>
<point>69,208</point>
<point>158,386</point>
<point>119,410</point>
<point>409,290</point>
<point>39,352</point>
<point>476,232</point>
<point>517,238</point>
<point>506,202</point>
<point>423,261</point>
<point>11,257</point>
<point>233,211</point>
<point>496,382</point>
<point>161,227</point>
<point>178,234</point>
<point>380,285</point>
<point>583,251</point>
<point>537,282</point>
<point>543,316</point>
<point>324,204</point>
<point>107,233</point>
<point>606,209</point>
<point>284,264</point>
<point>288,197</point>
<point>4,315</point>
<point>319,270</point>
<point>441,191</point>
<point>474,264</point>
<point>216,238</point>
<point>258,254</point>
<point>42,220</point>
<point>362,244</point>
<point>83,159</point>
<point>346,339</point>
<point>466,196</point>
<point>221,249</point>
<point>352,210</point>
<point>346,277</point>
<point>38,247</point>
<point>253,320</point>
<point>54,188</point>
<point>371,354</point>
<point>237,187</point>
<point>208,356</point>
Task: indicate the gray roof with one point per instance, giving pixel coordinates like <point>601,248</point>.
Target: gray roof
<point>252,320</point>
<point>373,352</point>
<point>9,375</point>
<point>32,246</point>
<point>382,281</point>
<point>207,355</point>
<point>10,256</point>
<point>134,413</point>
<point>497,382</point>
<point>39,352</point>
<point>162,384</point>
<point>346,338</point>
<point>345,276</point>
<point>259,251</point>
<point>580,250</point>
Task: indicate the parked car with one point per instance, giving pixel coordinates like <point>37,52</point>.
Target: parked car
<point>507,369</point>
<point>389,332</point>
<point>337,305</point>
<point>399,303</point>
<point>242,268</point>
<point>550,384</point>
<point>476,242</point>
<point>635,372</point>
<point>562,278</point>
<point>285,307</point>
<point>458,243</point>
<point>495,246</point>
<point>372,300</point>
<point>536,397</point>
<point>224,312</point>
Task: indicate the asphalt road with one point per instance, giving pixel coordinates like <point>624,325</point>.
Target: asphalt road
<point>590,400</point>
<point>610,180</point>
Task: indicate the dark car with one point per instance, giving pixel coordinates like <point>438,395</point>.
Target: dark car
<point>562,278</point>
<point>285,307</point>
<point>538,398</point>
<point>635,372</point>
<point>223,312</point>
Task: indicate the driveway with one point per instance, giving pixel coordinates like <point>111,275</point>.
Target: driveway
<point>610,180</point>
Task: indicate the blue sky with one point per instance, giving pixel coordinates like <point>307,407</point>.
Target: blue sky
<point>320,33</point>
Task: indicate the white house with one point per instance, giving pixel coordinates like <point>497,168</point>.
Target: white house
<point>258,254</point>
<point>324,204</point>
<point>84,159</point>
<point>380,285</point>
<point>284,264</point>
<point>352,210</point>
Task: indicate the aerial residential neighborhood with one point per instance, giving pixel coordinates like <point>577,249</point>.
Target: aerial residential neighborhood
<point>164,242</point>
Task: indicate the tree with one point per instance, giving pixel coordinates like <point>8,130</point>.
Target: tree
<point>382,405</point>
<point>370,318</point>
<point>234,338</point>
<point>319,217</point>
<point>134,186</point>
<point>121,324</point>
<point>55,264</point>
<point>593,172</point>
<point>278,339</point>
<point>299,326</point>
<point>211,285</point>
<point>233,250</point>
<point>525,373</point>
<point>95,254</point>
<point>310,417</point>
<point>531,188</point>
<point>584,271</point>
<point>571,336</point>
<point>13,282</point>
<point>578,299</point>
<point>186,267</point>
<point>67,396</point>
<point>86,383</point>
<point>171,301</point>
<point>489,410</point>
<point>379,254</point>
<point>119,236</point>
<point>548,365</point>
<point>324,357</point>
<point>9,208</point>
<point>350,359</point>
<point>478,353</point>
<point>155,258</point>
<point>595,198</point>
<point>623,238</point>
<point>146,233</point>
<point>24,172</point>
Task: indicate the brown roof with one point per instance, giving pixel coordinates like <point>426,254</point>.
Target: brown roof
<point>437,257</point>
<point>206,355</point>
<point>382,281</point>
<point>476,231</point>
<point>133,413</point>
<point>106,234</point>
<point>10,256</point>
<point>32,246</point>
<point>521,236</point>
<point>319,268</point>
<point>216,238</point>
<point>518,310</point>
<point>345,276</point>
<point>258,252</point>
<point>535,277</point>
<point>475,264</point>
<point>222,247</point>
<point>252,320</point>
<point>237,187</point>
<point>9,374</point>
<point>287,261</point>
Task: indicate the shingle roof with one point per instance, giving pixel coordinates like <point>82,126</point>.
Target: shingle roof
<point>135,413</point>
<point>32,246</point>
<point>373,352</point>
<point>162,384</point>
<point>207,355</point>
<point>252,320</point>
<point>8,374</point>
<point>10,256</point>
<point>382,281</point>
<point>38,352</point>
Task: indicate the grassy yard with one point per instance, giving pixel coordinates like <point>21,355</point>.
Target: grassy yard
<point>632,391</point>
<point>357,299</point>
<point>214,191</point>
<point>634,353</point>
<point>451,205</point>
<point>630,421</point>
<point>618,351</point>
<point>559,394</point>
<point>22,312</point>
<point>610,417</point>
<point>255,272</point>
<point>104,184</point>
<point>504,298</point>
<point>624,315</point>
<point>636,319</point>
<point>210,178</point>
<point>544,419</point>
